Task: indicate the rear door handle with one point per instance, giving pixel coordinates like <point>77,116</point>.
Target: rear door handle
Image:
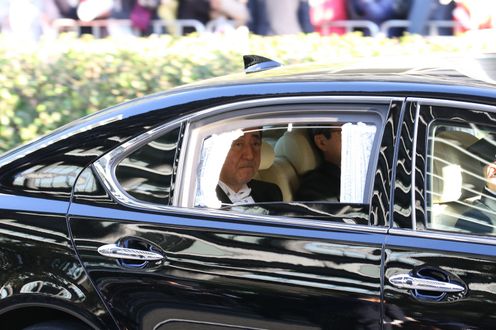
<point>406,281</point>
<point>118,252</point>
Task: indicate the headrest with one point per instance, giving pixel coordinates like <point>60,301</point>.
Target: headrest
<point>266,156</point>
<point>457,174</point>
<point>484,148</point>
<point>297,148</point>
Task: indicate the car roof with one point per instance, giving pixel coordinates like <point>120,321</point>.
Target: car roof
<point>479,71</point>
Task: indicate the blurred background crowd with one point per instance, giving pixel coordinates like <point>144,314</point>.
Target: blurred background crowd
<point>49,78</point>
<point>32,19</point>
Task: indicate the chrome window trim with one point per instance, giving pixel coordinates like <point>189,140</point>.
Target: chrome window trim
<point>455,104</point>
<point>414,164</point>
<point>449,236</point>
<point>104,167</point>
<point>291,100</point>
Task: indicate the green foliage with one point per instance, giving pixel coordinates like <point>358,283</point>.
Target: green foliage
<point>46,85</point>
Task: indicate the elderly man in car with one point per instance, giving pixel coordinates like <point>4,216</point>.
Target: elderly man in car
<point>236,184</point>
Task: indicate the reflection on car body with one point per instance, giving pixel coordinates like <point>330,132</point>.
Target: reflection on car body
<point>115,221</point>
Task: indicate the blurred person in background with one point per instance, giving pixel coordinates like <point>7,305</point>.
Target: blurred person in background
<point>4,15</point>
<point>475,15</point>
<point>277,17</point>
<point>121,10</point>
<point>69,9</point>
<point>323,12</point>
<point>218,12</point>
<point>28,20</point>
<point>423,11</point>
<point>141,13</point>
<point>223,12</point>
<point>167,10</point>
<point>90,10</point>
<point>379,11</point>
<point>193,9</point>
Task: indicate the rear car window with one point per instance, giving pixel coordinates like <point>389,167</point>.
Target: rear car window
<point>461,178</point>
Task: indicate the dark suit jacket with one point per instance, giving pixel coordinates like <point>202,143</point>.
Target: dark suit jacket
<point>267,19</point>
<point>261,191</point>
<point>320,184</point>
<point>484,211</point>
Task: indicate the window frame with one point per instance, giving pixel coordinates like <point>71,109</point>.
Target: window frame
<point>430,134</point>
<point>119,161</point>
<point>199,130</point>
<point>105,166</point>
<point>417,225</point>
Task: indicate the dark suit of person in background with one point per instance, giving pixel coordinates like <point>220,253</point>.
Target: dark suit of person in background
<point>193,9</point>
<point>236,184</point>
<point>483,212</point>
<point>379,11</point>
<point>323,183</point>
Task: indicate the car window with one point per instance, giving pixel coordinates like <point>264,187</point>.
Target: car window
<point>303,169</point>
<point>180,165</point>
<point>146,174</point>
<point>461,177</point>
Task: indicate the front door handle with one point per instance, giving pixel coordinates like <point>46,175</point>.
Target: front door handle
<point>118,252</point>
<point>406,281</point>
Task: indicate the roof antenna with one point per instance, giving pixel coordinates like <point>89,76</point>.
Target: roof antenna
<point>255,63</point>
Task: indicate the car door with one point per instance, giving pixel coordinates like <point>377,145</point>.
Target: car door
<point>162,262</point>
<point>439,273</point>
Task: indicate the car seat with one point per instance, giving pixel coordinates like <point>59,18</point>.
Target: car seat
<point>294,156</point>
<point>266,156</point>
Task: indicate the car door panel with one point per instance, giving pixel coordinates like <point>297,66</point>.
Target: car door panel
<point>470,265</point>
<point>226,270</point>
<point>270,278</point>
<point>413,248</point>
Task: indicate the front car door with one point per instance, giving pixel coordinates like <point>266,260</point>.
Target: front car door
<point>287,265</point>
<point>440,268</point>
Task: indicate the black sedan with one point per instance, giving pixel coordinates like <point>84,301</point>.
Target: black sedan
<point>305,197</point>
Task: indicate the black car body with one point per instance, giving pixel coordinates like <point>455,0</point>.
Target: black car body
<point>126,179</point>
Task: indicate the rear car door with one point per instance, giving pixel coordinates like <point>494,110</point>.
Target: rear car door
<point>161,260</point>
<point>440,268</point>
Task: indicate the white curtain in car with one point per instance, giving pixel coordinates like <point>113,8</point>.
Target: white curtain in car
<point>213,154</point>
<point>356,144</point>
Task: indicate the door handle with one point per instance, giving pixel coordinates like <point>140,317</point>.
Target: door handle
<point>118,252</point>
<point>406,281</point>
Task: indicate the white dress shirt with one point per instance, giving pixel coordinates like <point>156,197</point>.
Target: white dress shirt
<point>241,197</point>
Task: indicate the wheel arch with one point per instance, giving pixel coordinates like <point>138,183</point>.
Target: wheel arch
<point>25,314</point>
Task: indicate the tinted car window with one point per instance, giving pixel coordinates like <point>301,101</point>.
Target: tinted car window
<point>462,177</point>
<point>146,174</point>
